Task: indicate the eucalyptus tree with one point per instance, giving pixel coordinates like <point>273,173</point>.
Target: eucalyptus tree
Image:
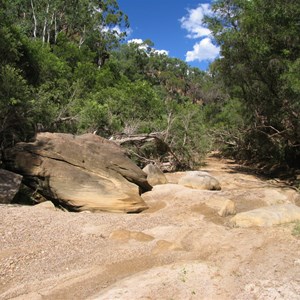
<point>99,24</point>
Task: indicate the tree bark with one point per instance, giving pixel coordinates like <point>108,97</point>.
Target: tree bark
<point>45,23</point>
<point>34,19</point>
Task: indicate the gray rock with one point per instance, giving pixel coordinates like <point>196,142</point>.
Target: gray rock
<point>9,186</point>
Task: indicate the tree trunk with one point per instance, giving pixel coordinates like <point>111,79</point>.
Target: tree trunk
<point>34,19</point>
<point>45,23</point>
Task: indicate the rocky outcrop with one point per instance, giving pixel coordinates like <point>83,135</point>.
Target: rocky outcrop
<point>154,175</point>
<point>9,186</point>
<point>267,216</point>
<point>167,193</point>
<point>200,181</point>
<point>84,172</point>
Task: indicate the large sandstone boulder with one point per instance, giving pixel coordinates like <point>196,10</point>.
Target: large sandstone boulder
<point>9,186</point>
<point>200,181</point>
<point>267,216</point>
<point>84,172</point>
<point>154,175</point>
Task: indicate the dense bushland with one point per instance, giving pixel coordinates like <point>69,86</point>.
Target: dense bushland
<point>67,69</point>
<point>260,67</point>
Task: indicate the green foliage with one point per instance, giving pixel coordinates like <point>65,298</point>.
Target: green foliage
<point>14,106</point>
<point>63,69</point>
<point>296,229</point>
<point>292,77</point>
<point>94,116</point>
<point>41,65</point>
<point>260,66</point>
<point>188,134</point>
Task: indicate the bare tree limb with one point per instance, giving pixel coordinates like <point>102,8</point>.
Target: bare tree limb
<point>143,138</point>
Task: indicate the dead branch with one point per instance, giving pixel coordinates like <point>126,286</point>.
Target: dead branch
<point>140,139</point>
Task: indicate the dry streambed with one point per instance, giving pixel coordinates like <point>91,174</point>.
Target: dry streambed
<point>183,247</point>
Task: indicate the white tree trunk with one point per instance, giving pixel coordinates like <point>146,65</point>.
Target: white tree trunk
<point>55,29</point>
<point>34,19</point>
<point>82,38</point>
<point>45,23</point>
<point>49,28</point>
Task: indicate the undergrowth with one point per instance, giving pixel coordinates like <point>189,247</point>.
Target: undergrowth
<point>296,229</point>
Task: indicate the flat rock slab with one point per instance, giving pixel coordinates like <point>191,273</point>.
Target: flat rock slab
<point>176,281</point>
<point>267,216</point>
<point>169,193</point>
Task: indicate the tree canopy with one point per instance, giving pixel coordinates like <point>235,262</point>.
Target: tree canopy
<point>259,64</point>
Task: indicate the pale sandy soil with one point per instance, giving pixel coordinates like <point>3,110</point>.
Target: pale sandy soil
<point>178,249</point>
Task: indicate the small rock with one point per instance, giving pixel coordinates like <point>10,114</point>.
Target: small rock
<point>9,185</point>
<point>46,204</point>
<point>154,175</point>
<point>200,181</point>
<point>224,207</point>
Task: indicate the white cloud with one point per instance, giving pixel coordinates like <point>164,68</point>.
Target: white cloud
<point>161,52</point>
<point>136,41</point>
<point>203,50</point>
<point>193,23</point>
<point>116,30</point>
<point>145,47</point>
<point>128,31</point>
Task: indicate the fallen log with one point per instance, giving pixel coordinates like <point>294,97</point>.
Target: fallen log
<point>159,152</point>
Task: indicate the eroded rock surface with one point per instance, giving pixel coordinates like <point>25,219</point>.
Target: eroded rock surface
<point>83,172</point>
<point>173,194</point>
<point>268,216</point>
<point>179,248</point>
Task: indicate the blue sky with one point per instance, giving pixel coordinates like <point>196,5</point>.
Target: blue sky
<point>174,26</point>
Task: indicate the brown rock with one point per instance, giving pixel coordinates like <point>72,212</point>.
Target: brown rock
<point>154,175</point>
<point>84,172</point>
<point>224,207</point>
<point>9,185</point>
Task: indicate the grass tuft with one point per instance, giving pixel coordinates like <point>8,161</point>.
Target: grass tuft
<point>296,229</point>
